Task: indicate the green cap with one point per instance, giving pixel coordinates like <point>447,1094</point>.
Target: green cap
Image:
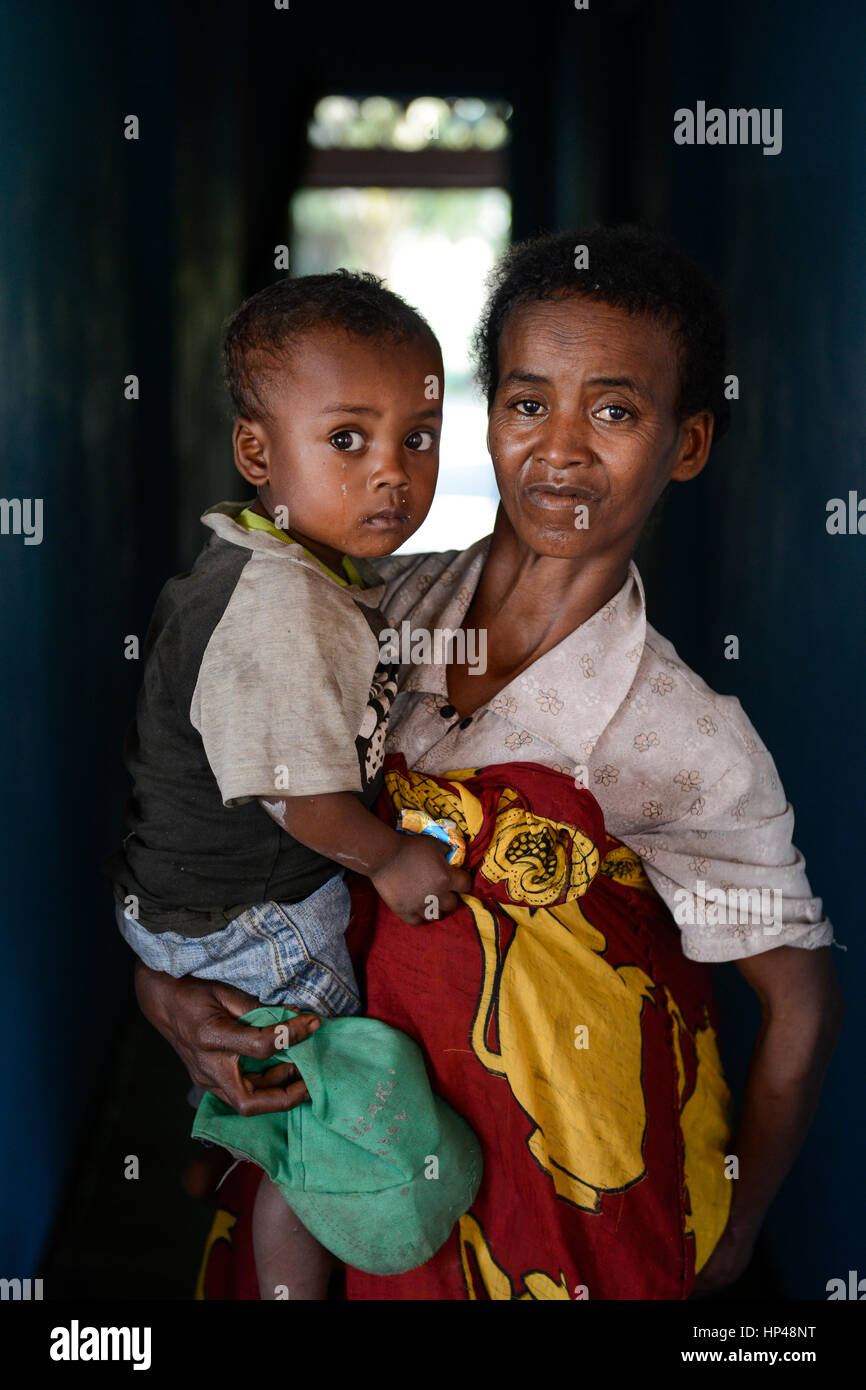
<point>375,1165</point>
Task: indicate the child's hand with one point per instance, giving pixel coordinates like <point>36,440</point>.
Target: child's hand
<point>418,883</point>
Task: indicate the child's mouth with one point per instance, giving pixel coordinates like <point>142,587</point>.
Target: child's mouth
<point>390,519</point>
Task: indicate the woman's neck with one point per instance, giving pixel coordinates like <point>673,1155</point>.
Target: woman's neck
<point>527,603</point>
<point>545,596</point>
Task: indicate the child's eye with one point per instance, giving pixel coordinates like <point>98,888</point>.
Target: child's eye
<point>420,441</point>
<point>536,406</point>
<point>347,441</point>
<point>624,413</point>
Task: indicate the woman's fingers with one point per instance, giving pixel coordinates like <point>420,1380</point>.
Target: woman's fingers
<point>234,1001</point>
<point>199,1019</point>
<point>223,1034</point>
<point>280,1075</point>
<point>276,1089</point>
<point>248,1099</point>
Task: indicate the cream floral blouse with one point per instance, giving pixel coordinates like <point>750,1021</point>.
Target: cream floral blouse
<point>680,773</point>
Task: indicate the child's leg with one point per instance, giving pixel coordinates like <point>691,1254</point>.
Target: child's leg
<point>288,1259</point>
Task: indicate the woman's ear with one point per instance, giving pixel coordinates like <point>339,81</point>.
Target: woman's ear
<point>696,436</point>
<point>488,441</point>
<point>251,451</point>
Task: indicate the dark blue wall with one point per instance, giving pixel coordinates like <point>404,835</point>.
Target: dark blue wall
<point>744,549</point>
<point>67,335</point>
<point>116,258</point>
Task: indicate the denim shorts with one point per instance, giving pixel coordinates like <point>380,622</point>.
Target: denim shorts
<point>289,954</point>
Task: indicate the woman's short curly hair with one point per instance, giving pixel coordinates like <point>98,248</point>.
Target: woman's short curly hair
<point>629,268</point>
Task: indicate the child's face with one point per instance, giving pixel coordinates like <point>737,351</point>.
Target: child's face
<point>585,417</point>
<point>352,449</point>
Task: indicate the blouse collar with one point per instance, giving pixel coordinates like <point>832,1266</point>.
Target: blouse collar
<point>595,664</point>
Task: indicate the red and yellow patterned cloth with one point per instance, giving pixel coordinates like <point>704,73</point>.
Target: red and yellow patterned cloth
<point>560,1017</point>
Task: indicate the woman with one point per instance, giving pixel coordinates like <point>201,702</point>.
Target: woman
<point>603,385</point>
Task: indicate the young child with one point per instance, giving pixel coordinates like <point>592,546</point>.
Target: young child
<point>257,748</point>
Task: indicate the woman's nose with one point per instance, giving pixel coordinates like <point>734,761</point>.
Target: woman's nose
<point>564,442</point>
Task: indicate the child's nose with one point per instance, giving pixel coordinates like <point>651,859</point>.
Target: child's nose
<point>389,468</point>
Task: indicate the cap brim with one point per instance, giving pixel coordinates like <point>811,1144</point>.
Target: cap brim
<point>398,1228</point>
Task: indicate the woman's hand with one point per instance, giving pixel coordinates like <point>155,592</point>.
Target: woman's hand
<point>801,1014</point>
<point>728,1261</point>
<point>198,1018</point>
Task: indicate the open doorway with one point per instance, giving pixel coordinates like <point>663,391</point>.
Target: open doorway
<point>417,193</point>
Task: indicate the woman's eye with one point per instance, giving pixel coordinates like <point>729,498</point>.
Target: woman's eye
<point>347,441</point>
<point>420,441</point>
<point>535,407</point>
<point>621,413</point>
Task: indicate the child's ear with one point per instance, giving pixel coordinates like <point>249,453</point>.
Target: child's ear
<point>696,436</point>
<point>251,455</point>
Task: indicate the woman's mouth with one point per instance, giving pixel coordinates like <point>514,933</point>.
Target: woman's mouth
<point>559,496</point>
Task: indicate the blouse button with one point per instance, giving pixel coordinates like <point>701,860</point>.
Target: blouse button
<point>464,723</point>
<point>448,711</point>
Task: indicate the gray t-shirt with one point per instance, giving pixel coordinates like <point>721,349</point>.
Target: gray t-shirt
<point>261,678</point>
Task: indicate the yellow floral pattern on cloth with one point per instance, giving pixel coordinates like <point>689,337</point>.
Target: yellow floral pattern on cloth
<point>540,860</point>
<point>586,1103</point>
<point>624,866</point>
<point>419,793</point>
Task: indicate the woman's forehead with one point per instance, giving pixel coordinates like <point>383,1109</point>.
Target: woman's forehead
<point>579,333</point>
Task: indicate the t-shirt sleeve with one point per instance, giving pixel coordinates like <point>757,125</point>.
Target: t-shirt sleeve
<point>729,872</point>
<point>283,686</point>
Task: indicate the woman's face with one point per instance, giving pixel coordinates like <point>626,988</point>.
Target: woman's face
<point>583,432</point>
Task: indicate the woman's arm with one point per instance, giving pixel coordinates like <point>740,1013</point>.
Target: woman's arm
<point>199,1019</point>
<point>802,1009</point>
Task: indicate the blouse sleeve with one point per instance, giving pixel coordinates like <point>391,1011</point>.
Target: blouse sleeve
<point>729,871</point>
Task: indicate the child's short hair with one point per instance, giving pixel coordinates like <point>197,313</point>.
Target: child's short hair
<point>630,268</point>
<point>260,335</point>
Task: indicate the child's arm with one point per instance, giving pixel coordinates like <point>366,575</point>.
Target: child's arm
<point>801,1007</point>
<point>411,874</point>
